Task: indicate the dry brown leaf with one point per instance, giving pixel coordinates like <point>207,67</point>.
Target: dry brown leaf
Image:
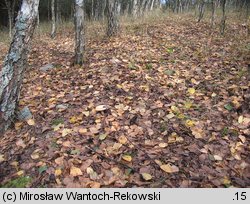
<point>169,168</point>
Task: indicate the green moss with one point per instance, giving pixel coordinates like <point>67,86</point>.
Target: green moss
<point>20,182</point>
<point>57,121</point>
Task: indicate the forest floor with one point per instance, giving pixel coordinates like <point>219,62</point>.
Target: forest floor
<point>160,105</point>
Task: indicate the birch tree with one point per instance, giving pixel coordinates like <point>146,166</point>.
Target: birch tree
<point>79,31</point>
<point>135,8</point>
<point>53,16</point>
<point>113,24</point>
<point>15,63</point>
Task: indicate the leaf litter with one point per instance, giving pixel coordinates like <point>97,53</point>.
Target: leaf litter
<point>166,108</point>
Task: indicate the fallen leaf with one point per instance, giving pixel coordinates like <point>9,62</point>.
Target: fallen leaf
<point>146,176</point>
<point>66,144</point>
<point>169,168</point>
<point>240,119</point>
<point>31,122</point>
<point>127,158</point>
<point>65,132</point>
<point>20,143</point>
<point>59,161</point>
<point>122,140</point>
<point>74,171</point>
<point>2,158</point>
<point>163,145</point>
<point>217,158</point>
<point>101,108</point>
<point>102,136</point>
<point>20,173</point>
<point>58,172</point>
<point>191,91</point>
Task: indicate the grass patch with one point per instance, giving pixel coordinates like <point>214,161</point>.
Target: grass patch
<point>20,182</point>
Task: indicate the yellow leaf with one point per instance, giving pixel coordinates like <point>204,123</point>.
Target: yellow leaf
<point>226,181</point>
<point>52,100</point>
<point>74,171</point>
<point>20,173</point>
<point>122,140</point>
<point>127,158</point>
<point>189,123</point>
<point>146,176</point>
<point>169,168</point>
<point>18,125</point>
<point>31,122</point>
<point>2,158</point>
<point>58,172</point>
<point>188,105</point>
<point>191,91</point>
<point>240,119</point>
<point>175,109</point>
<point>102,136</point>
<point>65,132</point>
<point>73,119</point>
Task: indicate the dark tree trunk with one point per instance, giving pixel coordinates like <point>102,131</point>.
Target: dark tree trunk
<point>223,19</point>
<point>14,66</point>
<point>213,12</point>
<point>11,13</point>
<point>113,25</point>
<point>79,31</point>
<point>201,10</point>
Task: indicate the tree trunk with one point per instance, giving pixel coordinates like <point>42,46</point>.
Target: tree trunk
<point>152,5</point>
<point>10,16</point>
<point>223,19</point>
<point>14,66</point>
<point>213,13</point>
<point>113,25</point>
<point>53,15</point>
<point>58,12</point>
<point>135,8</point>
<point>92,9</point>
<point>79,31</point>
<point>201,10</point>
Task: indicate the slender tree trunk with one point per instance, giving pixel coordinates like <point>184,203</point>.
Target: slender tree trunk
<point>135,8</point>
<point>58,12</point>
<point>152,5</point>
<point>92,9</point>
<point>113,25</point>
<point>14,66</point>
<point>201,10</point>
<point>53,15</point>
<point>223,19</point>
<point>79,31</point>
<point>213,13</point>
<point>10,16</point>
